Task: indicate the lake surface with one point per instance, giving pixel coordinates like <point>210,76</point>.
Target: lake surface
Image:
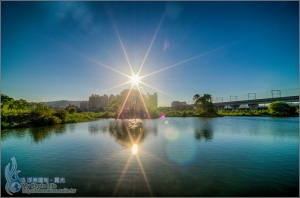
<point>227,156</point>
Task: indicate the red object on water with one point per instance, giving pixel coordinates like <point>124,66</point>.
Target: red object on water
<point>162,115</point>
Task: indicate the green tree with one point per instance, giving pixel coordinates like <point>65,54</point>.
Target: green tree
<point>6,99</point>
<point>20,104</point>
<point>281,109</point>
<point>42,115</point>
<point>61,114</point>
<point>115,105</point>
<point>204,103</point>
<point>153,112</point>
<point>72,110</point>
<point>6,102</point>
<point>14,113</point>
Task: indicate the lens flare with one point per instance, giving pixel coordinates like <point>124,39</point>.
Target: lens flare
<point>171,133</point>
<point>178,155</point>
<point>134,149</point>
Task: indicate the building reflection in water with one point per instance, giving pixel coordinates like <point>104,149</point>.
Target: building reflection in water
<point>123,135</point>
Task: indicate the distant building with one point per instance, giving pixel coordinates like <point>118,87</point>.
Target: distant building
<point>137,104</point>
<point>84,105</point>
<point>176,105</point>
<point>94,102</point>
<point>111,98</point>
<point>134,103</point>
<point>104,101</point>
<point>135,96</point>
<point>164,108</point>
<point>99,102</point>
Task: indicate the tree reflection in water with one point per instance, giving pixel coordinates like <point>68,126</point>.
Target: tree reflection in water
<point>128,138</point>
<point>38,134</point>
<point>204,130</point>
<point>203,133</point>
<point>17,133</point>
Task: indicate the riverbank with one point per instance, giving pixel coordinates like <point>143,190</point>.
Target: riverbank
<point>208,115</point>
<point>11,121</point>
<point>262,112</point>
<point>21,114</point>
<point>16,122</point>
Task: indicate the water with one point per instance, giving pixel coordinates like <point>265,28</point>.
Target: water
<point>228,156</point>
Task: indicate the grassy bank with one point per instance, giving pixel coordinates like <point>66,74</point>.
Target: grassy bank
<point>20,119</point>
<point>262,112</point>
<point>20,113</point>
<point>79,117</point>
<point>186,113</point>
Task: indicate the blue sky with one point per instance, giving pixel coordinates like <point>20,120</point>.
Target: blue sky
<point>62,50</point>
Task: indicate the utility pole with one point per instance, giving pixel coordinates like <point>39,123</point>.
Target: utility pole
<point>233,97</point>
<point>217,99</point>
<point>276,92</point>
<point>251,95</point>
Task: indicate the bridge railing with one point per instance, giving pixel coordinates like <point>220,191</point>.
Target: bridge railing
<point>252,96</point>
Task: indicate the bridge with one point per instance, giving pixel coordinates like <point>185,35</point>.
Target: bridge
<point>253,104</point>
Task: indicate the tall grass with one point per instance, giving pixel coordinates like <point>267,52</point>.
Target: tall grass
<point>262,112</point>
<point>79,117</point>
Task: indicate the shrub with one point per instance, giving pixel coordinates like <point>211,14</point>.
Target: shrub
<point>45,120</point>
<point>61,114</point>
<point>51,120</point>
<point>72,110</point>
<point>153,113</point>
<point>281,109</point>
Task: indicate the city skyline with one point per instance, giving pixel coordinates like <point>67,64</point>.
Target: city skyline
<point>69,50</point>
<point>96,101</point>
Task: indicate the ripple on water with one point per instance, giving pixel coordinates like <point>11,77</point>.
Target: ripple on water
<point>228,156</point>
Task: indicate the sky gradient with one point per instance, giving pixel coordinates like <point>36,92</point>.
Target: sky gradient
<point>70,50</point>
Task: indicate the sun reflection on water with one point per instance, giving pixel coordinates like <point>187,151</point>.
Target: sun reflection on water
<point>134,149</point>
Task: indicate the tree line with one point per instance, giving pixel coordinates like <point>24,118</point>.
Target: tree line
<point>205,106</point>
<point>20,113</point>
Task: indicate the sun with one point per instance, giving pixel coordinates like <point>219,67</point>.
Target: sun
<point>135,80</point>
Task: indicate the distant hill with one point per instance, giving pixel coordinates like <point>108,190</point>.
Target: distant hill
<point>63,103</point>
